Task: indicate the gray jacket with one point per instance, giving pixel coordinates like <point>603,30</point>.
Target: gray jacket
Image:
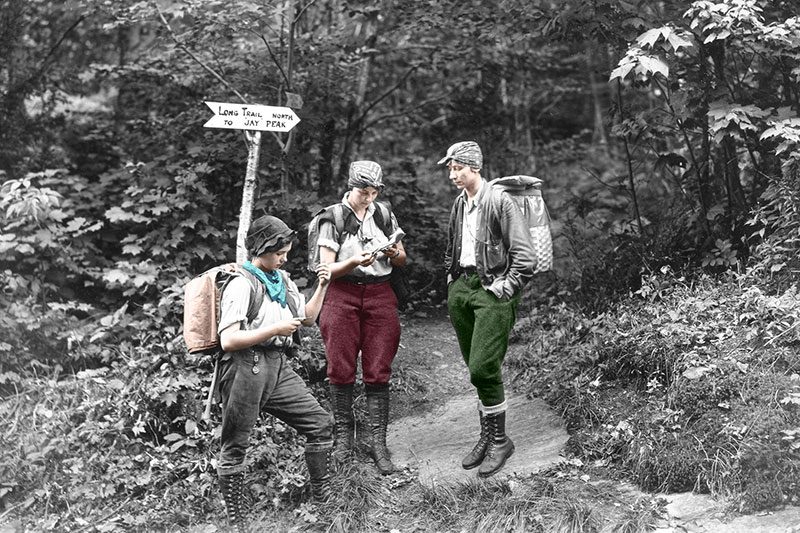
<point>503,247</point>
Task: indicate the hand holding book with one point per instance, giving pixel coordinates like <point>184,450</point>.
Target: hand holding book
<point>380,246</point>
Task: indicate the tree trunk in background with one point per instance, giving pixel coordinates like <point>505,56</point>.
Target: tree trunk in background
<point>728,161</point>
<point>599,136</point>
<point>12,101</point>
<point>353,131</point>
<point>704,173</point>
<point>733,183</point>
<point>325,160</point>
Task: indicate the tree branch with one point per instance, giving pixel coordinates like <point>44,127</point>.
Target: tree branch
<point>402,113</point>
<point>46,61</point>
<point>197,59</point>
<point>273,57</point>
<point>385,94</point>
<point>210,70</point>
<point>303,10</point>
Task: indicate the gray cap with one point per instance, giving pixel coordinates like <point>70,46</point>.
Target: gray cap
<point>464,152</point>
<point>365,174</point>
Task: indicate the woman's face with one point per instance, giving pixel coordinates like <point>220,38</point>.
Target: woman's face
<point>361,197</point>
<point>273,260</point>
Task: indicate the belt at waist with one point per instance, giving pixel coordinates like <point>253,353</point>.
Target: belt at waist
<point>368,280</point>
<point>466,271</point>
<point>272,348</point>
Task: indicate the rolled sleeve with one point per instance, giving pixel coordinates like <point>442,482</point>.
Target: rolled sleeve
<point>328,237</point>
<point>234,303</point>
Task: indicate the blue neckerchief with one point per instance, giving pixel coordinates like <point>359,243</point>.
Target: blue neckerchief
<point>273,281</point>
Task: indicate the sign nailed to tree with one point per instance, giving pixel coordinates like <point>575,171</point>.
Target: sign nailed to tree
<point>251,117</point>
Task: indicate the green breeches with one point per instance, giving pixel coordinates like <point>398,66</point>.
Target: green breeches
<point>482,323</point>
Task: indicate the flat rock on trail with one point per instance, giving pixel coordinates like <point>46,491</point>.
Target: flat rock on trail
<point>435,440</point>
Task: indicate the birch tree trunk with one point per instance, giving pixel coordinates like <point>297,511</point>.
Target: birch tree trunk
<point>248,193</point>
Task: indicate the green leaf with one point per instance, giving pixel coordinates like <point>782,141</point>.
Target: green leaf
<point>677,42</point>
<point>116,276</point>
<point>621,71</point>
<point>132,249</point>
<point>117,214</point>
<point>140,280</point>
<point>650,37</point>
<point>653,65</point>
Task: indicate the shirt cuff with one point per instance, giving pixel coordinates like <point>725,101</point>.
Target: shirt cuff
<point>329,243</point>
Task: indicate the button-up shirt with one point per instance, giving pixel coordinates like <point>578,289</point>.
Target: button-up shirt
<point>348,245</point>
<point>469,230</point>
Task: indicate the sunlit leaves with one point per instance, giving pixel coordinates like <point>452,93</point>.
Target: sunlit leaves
<point>670,35</point>
<point>729,118</point>
<point>22,201</point>
<point>786,130</point>
<point>718,21</point>
<point>117,214</point>
<point>132,277</point>
<point>644,65</point>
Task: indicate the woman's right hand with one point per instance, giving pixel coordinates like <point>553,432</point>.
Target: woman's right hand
<point>363,259</point>
<point>286,328</point>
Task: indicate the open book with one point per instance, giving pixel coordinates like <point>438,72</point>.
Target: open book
<point>380,246</point>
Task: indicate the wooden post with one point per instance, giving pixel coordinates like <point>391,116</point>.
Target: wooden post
<point>250,178</point>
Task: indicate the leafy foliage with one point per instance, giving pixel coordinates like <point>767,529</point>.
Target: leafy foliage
<point>682,403</point>
<point>113,195</point>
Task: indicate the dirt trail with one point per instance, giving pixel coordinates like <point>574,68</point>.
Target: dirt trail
<point>445,425</point>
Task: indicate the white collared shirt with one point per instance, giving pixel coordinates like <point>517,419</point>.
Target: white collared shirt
<point>236,300</point>
<point>353,244</point>
<point>469,229</point>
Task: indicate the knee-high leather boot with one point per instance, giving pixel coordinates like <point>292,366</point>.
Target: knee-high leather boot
<point>344,424</point>
<point>319,474</point>
<point>500,446</point>
<point>378,411</point>
<point>232,486</point>
<point>475,457</point>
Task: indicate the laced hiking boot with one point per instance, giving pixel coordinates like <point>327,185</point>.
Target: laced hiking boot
<point>500,446</point>
<point>475,457</point>
<point>319,475</point>
<point>344,423</point>
<point>378,412</point>
<point>232,486</point>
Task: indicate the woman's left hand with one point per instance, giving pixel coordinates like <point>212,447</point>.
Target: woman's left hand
<point>391,252</point>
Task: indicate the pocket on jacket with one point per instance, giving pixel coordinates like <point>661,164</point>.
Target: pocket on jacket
<point>495,256</point>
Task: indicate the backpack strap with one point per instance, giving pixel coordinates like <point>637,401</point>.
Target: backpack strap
<point>383,218</point>
<point>257,300</point>
<point>337,210</point>
<point>256,294</point>
<point>336,214</point>
<point>333,214</point>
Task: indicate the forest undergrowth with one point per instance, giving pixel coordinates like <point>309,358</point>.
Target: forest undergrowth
<point>688,385</point>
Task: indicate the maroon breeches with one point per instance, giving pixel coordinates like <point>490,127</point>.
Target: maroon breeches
<point>360,318</point>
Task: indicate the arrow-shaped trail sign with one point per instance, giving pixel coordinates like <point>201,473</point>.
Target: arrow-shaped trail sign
<point>251,117</point>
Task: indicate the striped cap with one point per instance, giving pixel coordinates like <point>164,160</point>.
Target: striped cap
<point>464,152</point>
<point>365,174</point>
